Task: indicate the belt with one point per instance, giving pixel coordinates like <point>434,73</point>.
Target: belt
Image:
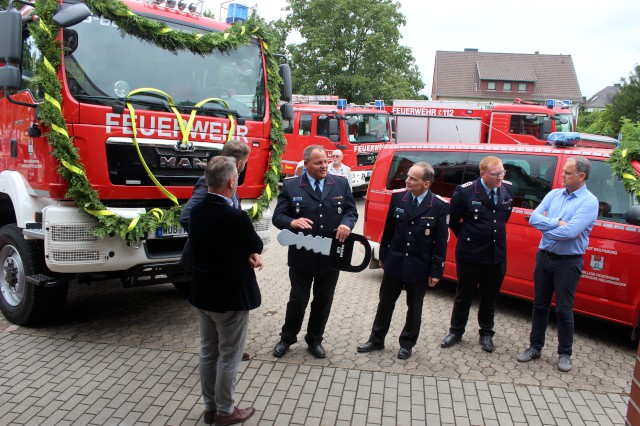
<point>560,256</point>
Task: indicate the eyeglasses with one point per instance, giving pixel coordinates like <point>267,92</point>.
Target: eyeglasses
<point>498,174</point>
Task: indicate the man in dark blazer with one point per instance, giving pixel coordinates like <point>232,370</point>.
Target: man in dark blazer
<point>479,213</point>
<point>226,249</point>
<point>412,253</point>
<point>315,203</point>
<point>239,152</point>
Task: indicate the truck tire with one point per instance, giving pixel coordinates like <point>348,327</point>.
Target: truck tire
<point>22,302</point>
<point>183,288</point>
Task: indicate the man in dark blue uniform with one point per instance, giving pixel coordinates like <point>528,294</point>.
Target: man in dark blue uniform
<point>479,213</point>
<point>315,203</point>
<point>412,253</point>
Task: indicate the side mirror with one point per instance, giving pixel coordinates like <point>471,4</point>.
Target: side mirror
<point>545,129</point>
<point>286,91</point>
<point>633,215</point>
<point>10,49</point>
<point>334,128</point>
<point>71,15</point>
<point>393,125</point>
<point>287,111</point>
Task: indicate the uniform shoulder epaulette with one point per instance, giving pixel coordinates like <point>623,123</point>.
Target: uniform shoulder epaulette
<point>464,185</point>
<point>444,200</point>
<point>508,182</point>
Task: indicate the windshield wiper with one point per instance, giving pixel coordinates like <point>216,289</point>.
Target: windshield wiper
<point>219,112</point>
<point>118,104</point>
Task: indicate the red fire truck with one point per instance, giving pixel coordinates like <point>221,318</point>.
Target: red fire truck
<point>358,131</point>
<point>137,162</point>
<point>468,122</point>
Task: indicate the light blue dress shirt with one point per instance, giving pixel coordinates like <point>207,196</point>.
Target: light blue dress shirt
<point>312,181</point>
<point>579,209</point>
<point>488,190</point>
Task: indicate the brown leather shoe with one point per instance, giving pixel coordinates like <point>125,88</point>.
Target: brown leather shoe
<point>209,416</point>
<point>246,356</point>
<point>239,415</point>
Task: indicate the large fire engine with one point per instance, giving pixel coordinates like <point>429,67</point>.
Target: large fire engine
<point>358,131</point>
<point>144,118</point>
<point>469,122</point>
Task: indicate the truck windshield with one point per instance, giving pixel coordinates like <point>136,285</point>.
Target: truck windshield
<point>368,128</point>
<point>564,123</point>
<point>101,64</point>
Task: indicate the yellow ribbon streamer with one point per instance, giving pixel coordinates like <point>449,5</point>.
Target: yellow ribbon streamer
<point>71,167</point>
<point>43,26</point>
<point>132,114</point>
<point>59,130</point>
<point>624,153</point>
<point>628,176</point>
<point>275,169</point>
<point>49,66</point>
<point>53,101</point>
<point>133,223</point>
<point>232,121</point>
<point>254,209</point>
<point>268,189</point>
<point>100,212</point>
<point>158,213</point>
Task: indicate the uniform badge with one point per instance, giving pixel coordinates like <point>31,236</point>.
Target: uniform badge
<point>297,208</point>
<point>339,210</point>
<point>427,232</point>
<point>297,199</point>
<point>475,217</point>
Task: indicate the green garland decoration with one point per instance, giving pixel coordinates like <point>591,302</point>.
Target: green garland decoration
<point>45,33</point>
<point>620,162</point>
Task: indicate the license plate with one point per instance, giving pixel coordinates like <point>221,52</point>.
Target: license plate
<point>171,231</point>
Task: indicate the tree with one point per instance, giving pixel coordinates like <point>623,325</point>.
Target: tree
<point>351,49</point>
<point>626,104</point>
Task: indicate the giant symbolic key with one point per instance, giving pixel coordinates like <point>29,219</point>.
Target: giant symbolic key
<point>339,253</point>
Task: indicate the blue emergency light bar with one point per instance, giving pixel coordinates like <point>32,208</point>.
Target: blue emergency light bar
<point>342,104</point>
<point>563,139</point>
<point>379,104</point>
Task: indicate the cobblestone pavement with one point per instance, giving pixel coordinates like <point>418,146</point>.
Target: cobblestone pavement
<point>129,356</point>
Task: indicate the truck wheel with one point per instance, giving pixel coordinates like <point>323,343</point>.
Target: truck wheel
<point>183,288</point>
<point>22,302</point>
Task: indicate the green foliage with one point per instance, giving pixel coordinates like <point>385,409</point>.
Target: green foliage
<point>629,151</point>
<point>71,169</point>
<point>596,123</point>
<point>351,49</point>
<point>626,104</point>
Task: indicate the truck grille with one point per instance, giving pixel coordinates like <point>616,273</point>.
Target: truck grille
<point>172,167</point>
<point>367,158</point>
<point>68,244</point>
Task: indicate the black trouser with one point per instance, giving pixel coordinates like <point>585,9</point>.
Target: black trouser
<point>559,275</point>
<point>486,279</point>
<point>390,289</point>
<point>324,286</point>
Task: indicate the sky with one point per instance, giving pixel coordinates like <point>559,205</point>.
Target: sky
<point>602,37</point>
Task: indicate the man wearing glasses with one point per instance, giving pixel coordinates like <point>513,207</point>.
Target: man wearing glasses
<point>338,168</point>
<point>480,210</point>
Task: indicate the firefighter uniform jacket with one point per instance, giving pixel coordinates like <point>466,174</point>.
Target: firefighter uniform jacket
<point>335,207</point>
<point>479,225</point>
<point>414,243</point>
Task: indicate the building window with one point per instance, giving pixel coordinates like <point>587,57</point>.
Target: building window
<point>506,87</point>
<point>491,85</point>
<point>522,87</point>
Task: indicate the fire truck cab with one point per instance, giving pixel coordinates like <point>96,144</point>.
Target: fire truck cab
<point>358,131</point>
<point>609,288</point>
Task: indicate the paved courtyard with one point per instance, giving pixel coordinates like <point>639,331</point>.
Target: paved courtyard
<point>129,356</point>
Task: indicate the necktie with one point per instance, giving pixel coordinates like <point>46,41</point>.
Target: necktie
<point>414,204</point>
<point>318,190</point>
<point>491,195</point>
